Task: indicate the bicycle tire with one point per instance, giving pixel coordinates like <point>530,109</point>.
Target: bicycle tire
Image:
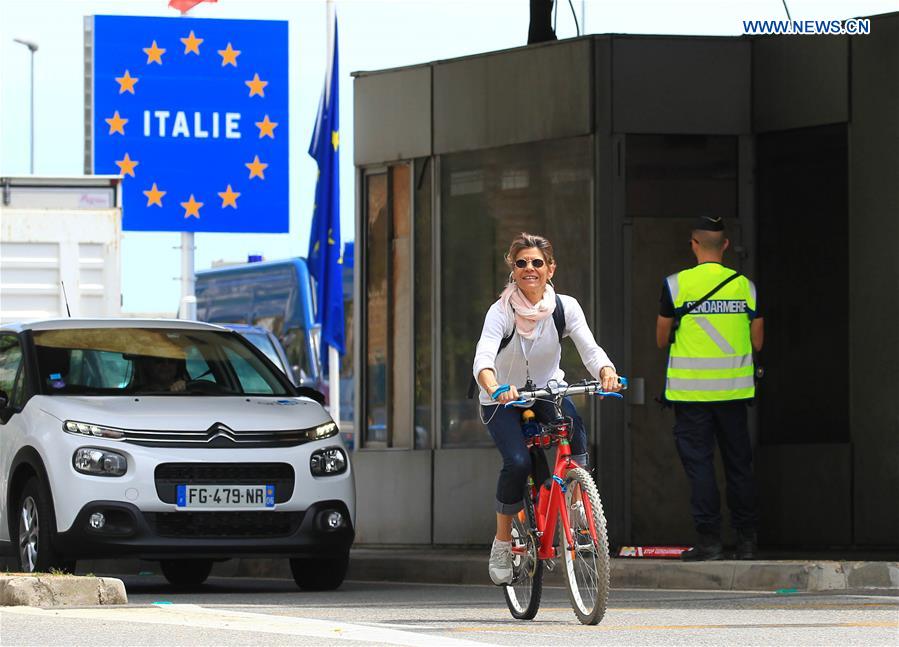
<point>523,595</point>
<point>587,562</point>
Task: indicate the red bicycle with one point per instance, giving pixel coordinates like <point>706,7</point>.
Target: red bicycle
<point>583,542</point>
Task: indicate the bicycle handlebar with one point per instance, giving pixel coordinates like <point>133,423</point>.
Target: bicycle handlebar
<point>589,388</point>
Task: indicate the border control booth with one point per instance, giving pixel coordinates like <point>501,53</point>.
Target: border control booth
<point>611,146</point>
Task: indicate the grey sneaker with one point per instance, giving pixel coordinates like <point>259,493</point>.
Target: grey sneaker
<point>500,567</point>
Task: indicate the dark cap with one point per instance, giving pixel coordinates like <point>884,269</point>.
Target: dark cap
<point>706,223</point>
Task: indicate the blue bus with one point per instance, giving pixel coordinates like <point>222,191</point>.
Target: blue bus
<point>280,296</point>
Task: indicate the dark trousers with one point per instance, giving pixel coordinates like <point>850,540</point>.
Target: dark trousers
<point>697,427</point>
<point>504,426</point>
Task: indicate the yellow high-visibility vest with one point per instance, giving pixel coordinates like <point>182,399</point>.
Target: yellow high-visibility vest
<point>711,357</point>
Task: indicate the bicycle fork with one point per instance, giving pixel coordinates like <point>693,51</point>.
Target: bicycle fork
<point>550,506</point>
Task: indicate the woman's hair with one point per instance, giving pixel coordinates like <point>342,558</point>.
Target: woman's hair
<point>525,240</point>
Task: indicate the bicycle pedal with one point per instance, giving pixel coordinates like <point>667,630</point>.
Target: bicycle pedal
<point>550,564</point>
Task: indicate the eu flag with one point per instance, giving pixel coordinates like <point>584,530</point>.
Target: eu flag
<point>324,243</point>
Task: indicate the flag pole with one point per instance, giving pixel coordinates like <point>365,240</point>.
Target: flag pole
<point>333,355</point>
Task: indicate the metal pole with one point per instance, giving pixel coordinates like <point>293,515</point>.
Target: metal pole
<point>329,52</point>
<point>188,298</point>
<point>32,111</point>
<point>32,48</point>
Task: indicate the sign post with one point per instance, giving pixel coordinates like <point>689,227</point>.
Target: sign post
<point>188,306</point>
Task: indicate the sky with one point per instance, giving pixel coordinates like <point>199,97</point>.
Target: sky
<point>374,34</point>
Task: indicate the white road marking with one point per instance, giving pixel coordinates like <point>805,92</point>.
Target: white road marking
<point>192,615</point>
<point>397,625</point>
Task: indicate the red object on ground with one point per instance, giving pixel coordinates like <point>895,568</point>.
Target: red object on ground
<point>667,552</point>
<point>186,5</point>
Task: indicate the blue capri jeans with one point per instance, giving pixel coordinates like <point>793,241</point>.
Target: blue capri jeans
<point>504,426</point>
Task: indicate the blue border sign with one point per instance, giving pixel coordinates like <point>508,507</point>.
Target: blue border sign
<point>193,113</point>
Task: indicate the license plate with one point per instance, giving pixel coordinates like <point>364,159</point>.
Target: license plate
<point>257,497</point>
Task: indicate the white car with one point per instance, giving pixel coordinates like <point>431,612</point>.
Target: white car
<point>168,440</point>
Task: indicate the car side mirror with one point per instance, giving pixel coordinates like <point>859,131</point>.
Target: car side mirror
<point>4,400</point>
<point>309,392</point>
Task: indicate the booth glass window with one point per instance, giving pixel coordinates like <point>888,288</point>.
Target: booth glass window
<point>423,304</point>
<point>681,176</point>
<point>388,309</point>
<point>375,427</point>
<point>487,197</point>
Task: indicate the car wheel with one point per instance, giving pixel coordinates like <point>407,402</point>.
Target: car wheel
<point>35,531</point>
<point>186,573</point>
<point>320,574</point>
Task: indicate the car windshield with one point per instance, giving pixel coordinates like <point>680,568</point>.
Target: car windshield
<point>150,361</point>
<point>263,343</point>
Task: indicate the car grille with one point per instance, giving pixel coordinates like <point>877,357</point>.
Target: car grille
<point>170,475</point>
<point>217,436</point>
<point>223,525</point>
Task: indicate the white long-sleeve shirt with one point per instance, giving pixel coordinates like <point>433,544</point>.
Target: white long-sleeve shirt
<point>539,356</point>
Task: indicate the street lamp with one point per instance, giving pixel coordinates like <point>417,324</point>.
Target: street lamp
<point>32,47</point>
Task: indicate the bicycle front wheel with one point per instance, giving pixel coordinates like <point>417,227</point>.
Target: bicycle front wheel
<point>586,559</point>
<point>523,594</point>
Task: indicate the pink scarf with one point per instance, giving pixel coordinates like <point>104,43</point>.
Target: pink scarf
<point>527,315</point>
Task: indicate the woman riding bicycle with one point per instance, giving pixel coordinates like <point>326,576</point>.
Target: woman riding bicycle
<point>524,310</point>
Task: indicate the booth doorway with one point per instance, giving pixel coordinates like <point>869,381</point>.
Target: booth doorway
<point>670,181</point>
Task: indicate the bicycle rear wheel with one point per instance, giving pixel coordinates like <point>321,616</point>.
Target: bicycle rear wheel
<point>586,560</point>
<point>523,595</point>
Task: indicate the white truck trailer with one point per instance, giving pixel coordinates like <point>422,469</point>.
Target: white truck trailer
<point>55,231</point>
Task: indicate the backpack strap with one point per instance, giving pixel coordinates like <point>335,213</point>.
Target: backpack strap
<point>559,317</point>
<point>558,320</point>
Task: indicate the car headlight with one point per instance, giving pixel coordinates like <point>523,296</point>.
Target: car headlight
<point>99,462</point>
<point>323,431</point>
<point>97,431</point>
<point>328,462</point>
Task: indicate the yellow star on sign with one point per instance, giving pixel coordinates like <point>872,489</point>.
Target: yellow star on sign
<point>266,127</point>
<point>257,86</point>
<point>126,83</point>
<point>229,197</point>
<point>126,165</point>
<point>154,195</point>
<point>256,168</point>
<point>191,43</point>
<point>192,207</point>
<point>229,55</point>
<point>116,124</point>
<point>335,139</point>
<point>154,53</point>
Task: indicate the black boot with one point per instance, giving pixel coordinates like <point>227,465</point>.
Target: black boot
<point>747,546</point>
<point>706,549</point>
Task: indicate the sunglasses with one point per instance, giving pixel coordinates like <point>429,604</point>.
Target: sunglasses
<point>536,263</point>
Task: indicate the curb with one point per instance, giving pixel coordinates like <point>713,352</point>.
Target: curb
<point>789,576</point>
<point>783,576</point>
<point>60,590</point>
<point>465,566</point>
